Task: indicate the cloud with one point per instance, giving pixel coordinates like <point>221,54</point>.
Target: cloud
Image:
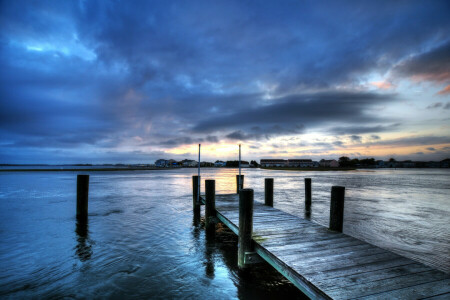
<point>431,149</point>
<point>356,138</point>
<point>295,112</point>
<point>413,141</point>
<point>444,91</point>
<point>433,65</point>
<point>98,74</point>
<point>383,85</point>
<point>361,129</point>
<point>435,105</point>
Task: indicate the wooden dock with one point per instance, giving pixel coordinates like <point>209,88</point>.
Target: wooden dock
<point>326,264</point>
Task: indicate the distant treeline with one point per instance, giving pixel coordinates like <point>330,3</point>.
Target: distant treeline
<point>345,161</point>
<point>235,163</point>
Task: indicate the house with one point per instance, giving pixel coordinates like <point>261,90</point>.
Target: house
<point>329,163</point>
<point>161,163</point>
<point>219,163</point>
<point>189,163</point>
<point>273,162</point>
<point>300,163</point>
<point>245,164</point>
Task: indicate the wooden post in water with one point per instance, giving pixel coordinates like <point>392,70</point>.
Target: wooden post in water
<point>268,191</point>
<point>337,208</point>
<point>245,225</point>
<point>210,206</point>
<point>195,197</point>
<point>307,194</point>
<point>239,183</point>
<point>82,196</point>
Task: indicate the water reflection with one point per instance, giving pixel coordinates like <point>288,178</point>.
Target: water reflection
<point>83,248</point>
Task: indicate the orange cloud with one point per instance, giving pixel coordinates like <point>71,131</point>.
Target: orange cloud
<point>384,85</point>
<point>444,91</point>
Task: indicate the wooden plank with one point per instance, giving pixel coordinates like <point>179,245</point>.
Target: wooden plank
<point>305,245</point>
<point>445,296</point>
<point>309,267</point>
<point>384,285</point>
<point>359,278</point>
<point>351,270</point>
<point>415,292</point>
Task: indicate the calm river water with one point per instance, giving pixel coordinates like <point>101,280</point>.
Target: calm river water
<point>140,241</point>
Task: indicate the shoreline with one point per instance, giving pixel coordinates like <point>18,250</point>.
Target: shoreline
<point>86,170</point>
<point>308,169</point>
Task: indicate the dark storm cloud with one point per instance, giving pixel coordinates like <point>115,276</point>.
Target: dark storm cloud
<point>433,65</point>
<point>414,141</point>
<point>300,111</point>
<point>102,72</point>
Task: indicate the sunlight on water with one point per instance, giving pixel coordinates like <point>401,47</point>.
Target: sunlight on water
<point>140,241</point>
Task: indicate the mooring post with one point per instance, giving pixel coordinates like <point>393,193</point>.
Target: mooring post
<point>82,196</point>
<point>268,191</point>
<point>245,225</point>
<point>337,208</point>
<point>239,183</point>
<point>308,194</point>
<point>195,197</point>
<point>210,206</point>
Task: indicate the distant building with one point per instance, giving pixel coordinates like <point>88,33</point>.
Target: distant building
<point>219,163</point>
<point>273,163</point>
<point>189,163</point>
<point>301,163</point>
<point>161,163</point>
<point>329,163</point>
<point>245,164</point>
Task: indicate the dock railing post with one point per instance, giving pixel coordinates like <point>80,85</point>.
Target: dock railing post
<point>307,194</point>
<point>82,196</point>
<point>210,206</point>
<point>245,225</point>
<point>195,197</point>
<point>239,183</point>
<point>268,191</point>
<point>337,208</point>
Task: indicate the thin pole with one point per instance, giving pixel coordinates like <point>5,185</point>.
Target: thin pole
<point>198,187</point>
<point>240,183</point>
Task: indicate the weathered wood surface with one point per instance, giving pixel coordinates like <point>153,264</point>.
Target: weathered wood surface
<point>328,264</point>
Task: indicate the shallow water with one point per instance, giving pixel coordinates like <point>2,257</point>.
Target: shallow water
<point>140,240</point>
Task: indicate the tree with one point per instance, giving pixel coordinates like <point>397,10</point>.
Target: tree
<point>344,161</point>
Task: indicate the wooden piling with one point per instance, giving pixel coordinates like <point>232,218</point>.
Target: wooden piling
<point>195,197</point>
<point>245,225</point>
<point>307,194</point>
<point>210,206</point>
<point>239,185</point>
<point>268,191</point>
<point>82,196</point>
<point>337,208</point>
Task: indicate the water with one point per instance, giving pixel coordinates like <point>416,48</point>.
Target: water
<point>140,241</point>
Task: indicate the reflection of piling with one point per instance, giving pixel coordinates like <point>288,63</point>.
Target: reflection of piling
<point>82,196</point>
<point>245,225</point>
<point>83,250</point>
<point>308,194</point>
<point>337,208</point>
<point>239,183</point>
<point>196,197</point>
<point>210,206</point>
<point>268,191</point>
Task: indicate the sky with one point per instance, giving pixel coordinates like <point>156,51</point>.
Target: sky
<point>135,81</point>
